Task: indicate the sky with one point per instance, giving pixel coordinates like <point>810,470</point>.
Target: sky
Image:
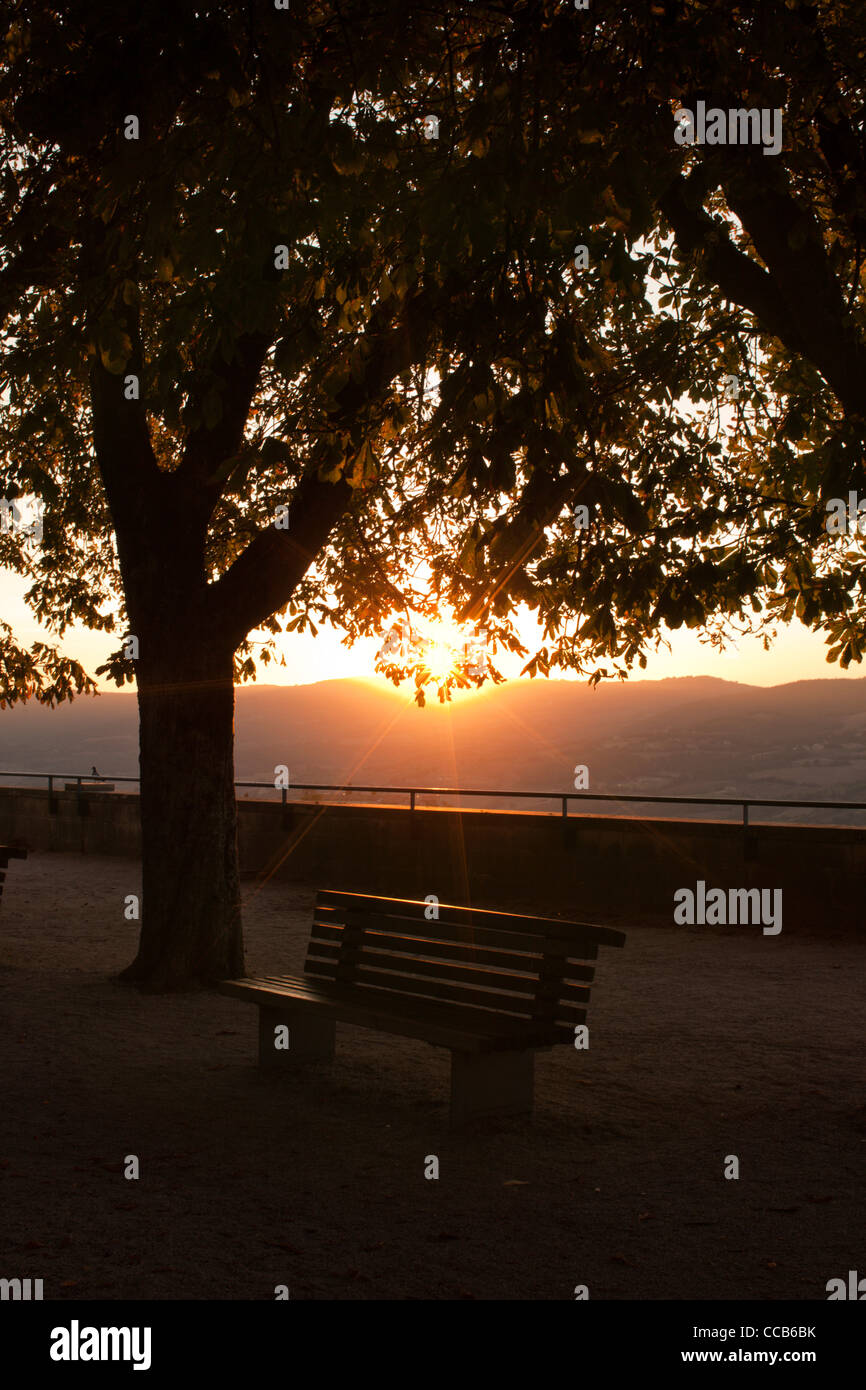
<point>796,655</point>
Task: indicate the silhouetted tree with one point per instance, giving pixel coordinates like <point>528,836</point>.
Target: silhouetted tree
<point>342,311</point>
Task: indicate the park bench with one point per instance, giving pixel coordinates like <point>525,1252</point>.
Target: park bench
<point>8,852</point>
<point>492,987</point>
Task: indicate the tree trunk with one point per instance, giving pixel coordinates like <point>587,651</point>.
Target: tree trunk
<point>191,912</point>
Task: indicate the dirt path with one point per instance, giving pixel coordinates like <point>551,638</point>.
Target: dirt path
<point>705,1042</point>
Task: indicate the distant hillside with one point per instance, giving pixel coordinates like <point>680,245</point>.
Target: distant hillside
<point>696,736</point>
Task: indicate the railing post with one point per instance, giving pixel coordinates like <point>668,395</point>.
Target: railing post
<point>750,845</point>
<point>416,822</point>
<point>568,830</point>
<point>79,800</point>
<point>52,800</point>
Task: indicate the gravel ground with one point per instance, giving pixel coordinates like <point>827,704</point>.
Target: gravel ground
<point>705,1042</point>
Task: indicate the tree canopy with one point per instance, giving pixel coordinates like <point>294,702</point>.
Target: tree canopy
<point>341,259</point>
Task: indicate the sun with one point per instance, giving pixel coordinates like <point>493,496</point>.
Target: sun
<point>441,658</point>
<point>445,645</point>
<point>443,650</point>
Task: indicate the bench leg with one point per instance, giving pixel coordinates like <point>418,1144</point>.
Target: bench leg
<point>311,1037</point>
<point>491,1083</point>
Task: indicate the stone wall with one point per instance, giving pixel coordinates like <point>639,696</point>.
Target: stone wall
<point>607,868</point>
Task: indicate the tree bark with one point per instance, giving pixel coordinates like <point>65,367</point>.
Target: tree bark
<point>191,910</point>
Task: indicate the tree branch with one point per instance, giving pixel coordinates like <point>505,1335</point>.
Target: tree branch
<point>790,242</point>
<point>264,576</point>
<point>703,240</point>
<point>124,451</point>
<point>206,446</point>
<point>797,299</point>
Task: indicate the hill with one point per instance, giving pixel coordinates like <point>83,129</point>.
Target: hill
<point>696,736</point>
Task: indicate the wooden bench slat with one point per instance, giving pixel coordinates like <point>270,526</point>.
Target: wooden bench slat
<point>487,1023</point>
<point>472,916</point>
<point>436,989</point>
<point>438,1025</point>
<point>512,1004</point>
<point>473,952</point>
<point>397,966</point>
<point>325,989</point>
<point>566,1013</point>
<point>400,967</point>
<point>440,950</point>
<point>582,948</point>
<point>580,993</point>
<point>308,986</point>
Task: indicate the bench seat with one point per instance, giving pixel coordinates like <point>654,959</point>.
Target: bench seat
<point>476,1030</point>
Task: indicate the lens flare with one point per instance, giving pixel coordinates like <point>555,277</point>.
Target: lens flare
<point>441,658</point>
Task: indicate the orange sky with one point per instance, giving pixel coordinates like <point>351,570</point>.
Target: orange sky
<point>797,654</point>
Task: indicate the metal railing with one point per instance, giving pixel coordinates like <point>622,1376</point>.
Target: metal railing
<point>744,803</point>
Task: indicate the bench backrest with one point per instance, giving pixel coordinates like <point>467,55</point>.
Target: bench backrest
<point>528,968</point>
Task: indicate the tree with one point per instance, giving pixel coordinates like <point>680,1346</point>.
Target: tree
<point>408,275</point>
<point>783,238</point>
<point>761,255</point>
